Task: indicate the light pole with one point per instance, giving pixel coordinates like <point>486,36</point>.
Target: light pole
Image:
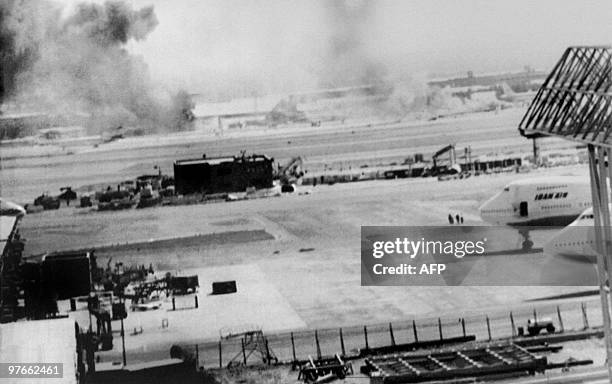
<point>123,335</point>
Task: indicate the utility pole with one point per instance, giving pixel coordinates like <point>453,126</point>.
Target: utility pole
<point>123,339</point>
<point>536,152</point>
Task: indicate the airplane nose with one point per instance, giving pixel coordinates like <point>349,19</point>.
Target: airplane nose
<point>486,207</point>
<point>564,241</point>
<point>492,209</point>
<point>573,241</point>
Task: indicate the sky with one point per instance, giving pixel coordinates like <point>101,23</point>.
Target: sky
<point>262,46</point>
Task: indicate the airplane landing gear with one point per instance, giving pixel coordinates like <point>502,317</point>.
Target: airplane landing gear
<point>527,243</point>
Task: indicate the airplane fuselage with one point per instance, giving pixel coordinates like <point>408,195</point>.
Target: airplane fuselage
<point>551,201</point>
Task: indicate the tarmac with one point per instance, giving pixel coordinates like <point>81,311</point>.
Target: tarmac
<point>296,258</point>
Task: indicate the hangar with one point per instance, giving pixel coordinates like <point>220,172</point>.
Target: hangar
<point>223,174</point>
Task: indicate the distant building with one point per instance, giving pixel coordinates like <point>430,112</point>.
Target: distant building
<point>15,126</point>
<point>285,112</point>
<point>516,79</point>
<point>273,110</point>
<point>223,174</point>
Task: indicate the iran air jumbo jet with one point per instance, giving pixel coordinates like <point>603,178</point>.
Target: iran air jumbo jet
<point>543,201</point>
<point>576,241</point>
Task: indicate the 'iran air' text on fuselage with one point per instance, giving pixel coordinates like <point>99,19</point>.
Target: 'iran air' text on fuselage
<point>538,201</point>
<point>546,201</point>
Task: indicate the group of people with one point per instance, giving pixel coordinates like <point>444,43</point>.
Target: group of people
<point>457,219</point>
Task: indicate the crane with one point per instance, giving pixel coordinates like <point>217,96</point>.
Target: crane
<point>452,167</point>
<point>291,171</point>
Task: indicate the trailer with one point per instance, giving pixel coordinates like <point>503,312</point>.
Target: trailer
<point>469,362</point>
<point>324,369</point>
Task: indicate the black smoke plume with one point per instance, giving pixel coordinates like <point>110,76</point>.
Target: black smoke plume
<point>78,64</point>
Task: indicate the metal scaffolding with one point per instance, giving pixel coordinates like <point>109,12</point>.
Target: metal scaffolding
<point>445,364</point>
<point>575,103</point>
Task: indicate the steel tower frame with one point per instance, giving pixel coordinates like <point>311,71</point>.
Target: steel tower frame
<point>575,103</point>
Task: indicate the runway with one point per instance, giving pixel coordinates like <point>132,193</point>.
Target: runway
<point>25,177</point>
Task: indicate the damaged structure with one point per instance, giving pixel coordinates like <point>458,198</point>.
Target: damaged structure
<point>223,174</point>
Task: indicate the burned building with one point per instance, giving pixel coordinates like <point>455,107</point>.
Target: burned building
<point>56,276</point>
<point>223,174</point>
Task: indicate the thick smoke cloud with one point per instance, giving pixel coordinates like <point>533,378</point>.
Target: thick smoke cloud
<point>348,60</point>
<point>351,58</point>
<point>111,24</point>
<point>16,52</point>
<point>77,65</point>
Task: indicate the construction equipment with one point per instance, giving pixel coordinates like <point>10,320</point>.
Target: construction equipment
<point>111,195</point>
<point>253,342</point>
<point>115,200</point>
<point>447,168</point>
<point>121,278</point>
<point>149,197</point>
<point>86,201</point>
<point>67,194</point>
<point>291,172</point>
<point>147,294</point>
<point>535,326</point>
<point>47,202</point>
<point>325,369</point>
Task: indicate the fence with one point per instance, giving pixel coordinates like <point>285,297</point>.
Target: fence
<point>348,341</point>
